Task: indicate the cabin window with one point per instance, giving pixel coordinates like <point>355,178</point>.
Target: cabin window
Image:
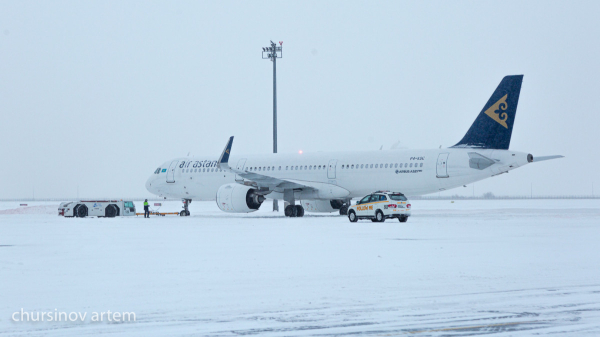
<point>279,168</point>
<point>385,165</point>
<point>421,165</point>
<point>410,165</point>
<point>376,165</point>
<point>352,165</point>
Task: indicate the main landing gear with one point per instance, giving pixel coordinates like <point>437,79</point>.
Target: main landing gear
<point>291,209</point>
<point>186,207</point>
<point>294,211</point>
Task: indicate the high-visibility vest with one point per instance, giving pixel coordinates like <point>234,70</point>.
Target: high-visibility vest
<point>145,203</point>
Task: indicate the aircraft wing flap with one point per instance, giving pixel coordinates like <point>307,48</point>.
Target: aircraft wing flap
<point>267,181</point>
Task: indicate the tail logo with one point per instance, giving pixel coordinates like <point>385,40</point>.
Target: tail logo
<point>498,111</point>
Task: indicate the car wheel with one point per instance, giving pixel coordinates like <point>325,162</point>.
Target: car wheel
<point>110,211</point>
<point>379,216</point>
<point>82,211</point>
<point>403,219</point>
<point>344,210</point>
<point>352,216</point>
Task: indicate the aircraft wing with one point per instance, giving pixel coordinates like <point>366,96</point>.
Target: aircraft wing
<point>278,184</point>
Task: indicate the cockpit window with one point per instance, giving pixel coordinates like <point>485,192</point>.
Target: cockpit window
<point>157,171</point>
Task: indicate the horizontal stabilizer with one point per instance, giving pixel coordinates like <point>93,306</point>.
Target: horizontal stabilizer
<point>536,159</point>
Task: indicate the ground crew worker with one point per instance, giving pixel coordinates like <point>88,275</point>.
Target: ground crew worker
<point>146,209</point>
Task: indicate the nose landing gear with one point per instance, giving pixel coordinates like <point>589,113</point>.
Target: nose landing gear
<point>186,207</point>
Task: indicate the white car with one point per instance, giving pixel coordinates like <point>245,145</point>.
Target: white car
<point>379,206</point>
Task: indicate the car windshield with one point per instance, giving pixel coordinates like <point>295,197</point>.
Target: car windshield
<point>398,197</point>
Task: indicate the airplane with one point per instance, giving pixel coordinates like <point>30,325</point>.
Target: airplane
<point>326,182</point>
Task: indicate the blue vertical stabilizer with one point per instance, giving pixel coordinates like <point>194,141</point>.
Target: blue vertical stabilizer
<point>493,127</point>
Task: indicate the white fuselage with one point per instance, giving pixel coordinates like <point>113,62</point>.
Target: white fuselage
<point>350,174</point>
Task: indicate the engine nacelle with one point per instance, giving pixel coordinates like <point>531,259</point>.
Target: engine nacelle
<point>322,206</point>
<point>236,198</point>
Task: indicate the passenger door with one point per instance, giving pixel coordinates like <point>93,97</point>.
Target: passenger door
<point>373,204</point>
<point>442,165</point>
<point>171,171</point>
<point>362,209</point>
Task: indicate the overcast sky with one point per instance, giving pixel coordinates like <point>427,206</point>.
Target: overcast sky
<point>100,93</point>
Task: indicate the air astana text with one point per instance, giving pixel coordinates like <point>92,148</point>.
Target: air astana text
<point>205,163</point>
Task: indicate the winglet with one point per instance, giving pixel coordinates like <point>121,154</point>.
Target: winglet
<point>224,159</point>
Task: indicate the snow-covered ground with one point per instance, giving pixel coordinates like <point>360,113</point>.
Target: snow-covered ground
<point>509,267</point>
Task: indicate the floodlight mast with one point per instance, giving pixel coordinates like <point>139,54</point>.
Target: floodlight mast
<point>273,53</point>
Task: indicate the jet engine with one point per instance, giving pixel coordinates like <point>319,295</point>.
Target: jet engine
<point>322,206</point>
<point>236,198</point>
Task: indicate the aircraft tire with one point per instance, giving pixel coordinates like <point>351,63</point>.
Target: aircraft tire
<point>182,213</point>
<point>289,210</point>
<point>344,210</point>
<point>352,216</point>
<point>299,211</point>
